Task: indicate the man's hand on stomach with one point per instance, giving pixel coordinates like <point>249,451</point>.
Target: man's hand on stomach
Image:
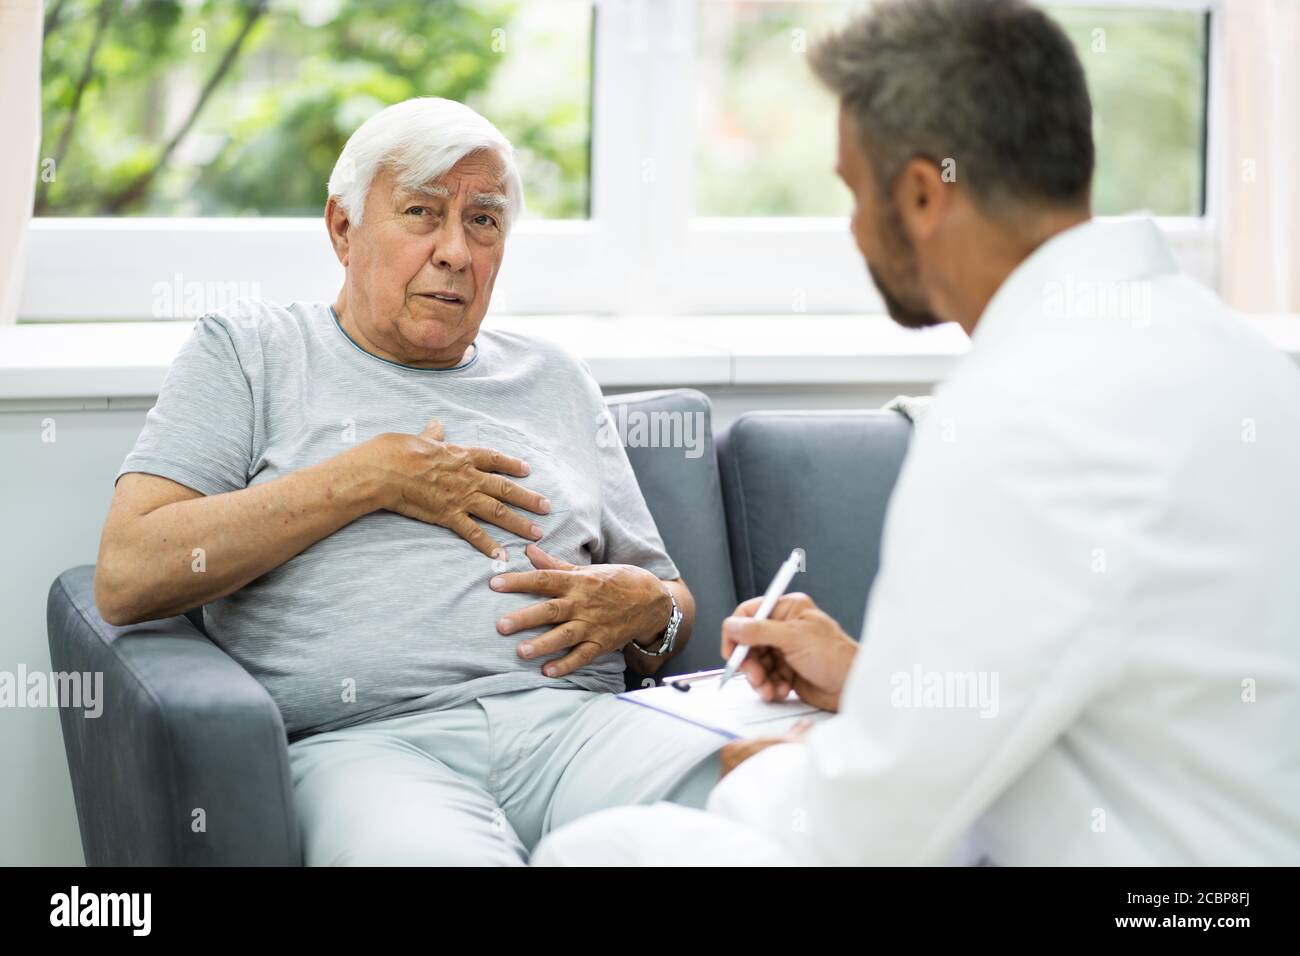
<point>592,610</point>
<point>423,477</point>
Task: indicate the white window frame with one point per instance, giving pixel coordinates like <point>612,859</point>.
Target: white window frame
<point>642,252</point>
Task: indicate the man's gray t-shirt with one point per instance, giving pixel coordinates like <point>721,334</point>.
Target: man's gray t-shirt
<point>390,615</point>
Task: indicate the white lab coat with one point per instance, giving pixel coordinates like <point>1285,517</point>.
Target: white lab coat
<point>1083,646</point>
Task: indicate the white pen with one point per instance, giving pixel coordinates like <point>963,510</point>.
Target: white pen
<point>784,575</point>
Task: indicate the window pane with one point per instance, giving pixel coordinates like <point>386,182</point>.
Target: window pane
<point>765,130</point>
<point>239,107</point>
<point>1146,74</point>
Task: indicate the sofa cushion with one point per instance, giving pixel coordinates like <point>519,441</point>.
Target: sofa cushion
<point>813,480</point>
<point>682,488</point>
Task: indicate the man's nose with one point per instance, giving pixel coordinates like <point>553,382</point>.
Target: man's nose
<point>450,250</point>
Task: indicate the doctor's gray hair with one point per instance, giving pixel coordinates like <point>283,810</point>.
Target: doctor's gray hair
<point>993,85</point>
<point>421,139</point>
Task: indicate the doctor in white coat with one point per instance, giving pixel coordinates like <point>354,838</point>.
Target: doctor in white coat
<point>1083,646</point>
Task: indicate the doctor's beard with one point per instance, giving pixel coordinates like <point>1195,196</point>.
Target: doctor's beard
<point>903,299</point>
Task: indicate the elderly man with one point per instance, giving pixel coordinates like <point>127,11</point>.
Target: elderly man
<point>405,527</point>
<point>1096,520</point>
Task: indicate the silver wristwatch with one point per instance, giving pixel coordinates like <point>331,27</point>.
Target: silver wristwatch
<point>670,633</point>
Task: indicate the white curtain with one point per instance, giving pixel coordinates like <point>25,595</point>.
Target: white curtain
<point>1260,251</point>
<point>20,123</point>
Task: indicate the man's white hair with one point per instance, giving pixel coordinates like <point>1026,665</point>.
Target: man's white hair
<point>420,139</point>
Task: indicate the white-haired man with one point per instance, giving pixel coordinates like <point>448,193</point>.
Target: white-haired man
<point>446,690</point>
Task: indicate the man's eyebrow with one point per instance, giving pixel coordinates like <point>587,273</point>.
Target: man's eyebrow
<point>493,200</point>
<point>489,201</point>
<point>428,192</point>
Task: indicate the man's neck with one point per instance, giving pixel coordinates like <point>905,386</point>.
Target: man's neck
<point>996,253</point>
<point>353,330</point>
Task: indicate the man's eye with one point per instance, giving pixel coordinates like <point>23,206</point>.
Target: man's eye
<point>483,219</point>
<point>417,210</point>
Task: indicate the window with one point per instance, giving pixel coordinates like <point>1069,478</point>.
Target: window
<point>765,130</point>
<point>1147,76</point>
<point>677,154</point>
<point>162,108</point>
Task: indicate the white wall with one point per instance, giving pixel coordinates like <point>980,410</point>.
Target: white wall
<point>53,498</point>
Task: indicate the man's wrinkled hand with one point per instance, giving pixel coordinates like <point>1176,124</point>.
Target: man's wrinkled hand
<point>452,486</point>
<point>591,610</point>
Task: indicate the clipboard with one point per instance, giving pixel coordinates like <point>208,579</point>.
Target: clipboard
<point>736,711</point>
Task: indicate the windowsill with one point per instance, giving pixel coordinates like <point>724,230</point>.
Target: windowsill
<point>113,360</point>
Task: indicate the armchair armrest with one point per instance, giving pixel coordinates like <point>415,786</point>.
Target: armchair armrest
<point>188,762</point>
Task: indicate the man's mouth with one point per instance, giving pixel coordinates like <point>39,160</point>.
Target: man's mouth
<point>451,297</point>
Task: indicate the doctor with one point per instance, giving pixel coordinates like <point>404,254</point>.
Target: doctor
<point>1097,522</point>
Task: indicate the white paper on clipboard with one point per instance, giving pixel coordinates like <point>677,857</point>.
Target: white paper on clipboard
<point>734,711</point>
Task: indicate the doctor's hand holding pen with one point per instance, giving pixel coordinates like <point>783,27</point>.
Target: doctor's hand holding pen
<point>798,647</point>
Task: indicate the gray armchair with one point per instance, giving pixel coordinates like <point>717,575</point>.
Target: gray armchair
<point>188,763</point>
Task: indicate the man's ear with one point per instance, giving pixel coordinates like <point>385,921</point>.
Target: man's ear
<point>338,224</point>
<point>922,197</point>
